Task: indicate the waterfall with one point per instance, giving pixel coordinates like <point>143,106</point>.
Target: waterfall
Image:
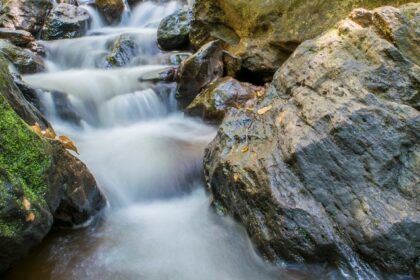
<point>97,21</point>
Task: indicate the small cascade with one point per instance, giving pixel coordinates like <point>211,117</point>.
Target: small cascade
<point>132,107</point>
<point>149,14</point>
<point>97,21</point>
<point>95,88</point>
<point>126,14</point>
<point>91,51</point>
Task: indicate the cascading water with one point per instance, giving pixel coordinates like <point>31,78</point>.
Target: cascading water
<point>147,158</point>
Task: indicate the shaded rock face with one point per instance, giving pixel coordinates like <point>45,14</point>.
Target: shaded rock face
<point>265,33</point>
<point>327,166</point>
<point>174,31</point>
<point>27,15</point>
<point>111,9</point>
<point>199,70</point>
<point>65,22</point>
<point>216,99</point>
<point>25,61</point>
<point>40,182</point>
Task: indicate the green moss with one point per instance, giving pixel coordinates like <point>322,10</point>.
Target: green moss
<point>8,229</point>
<point>25,159</point>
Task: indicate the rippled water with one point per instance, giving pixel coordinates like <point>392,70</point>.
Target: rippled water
<point>147,158</point>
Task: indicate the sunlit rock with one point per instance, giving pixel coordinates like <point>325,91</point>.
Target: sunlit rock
<point>26,15</point>
<point>219,97</point>
<point>326,167</point>
<point>111,9</point>
<point>264,33</point>
<point>199,70</point>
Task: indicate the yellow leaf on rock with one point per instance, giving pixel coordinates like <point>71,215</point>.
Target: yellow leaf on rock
<point>264,110</point>
<point>26,204</point>
<point>245,149</point>
<point>30,217</point>
<point>37,129</point>
<point>67,143</point>
<point>49,133</point>
<point>236,177</point>
<point>260,93</point>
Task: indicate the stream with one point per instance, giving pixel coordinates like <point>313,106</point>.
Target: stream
<point>147,159</point>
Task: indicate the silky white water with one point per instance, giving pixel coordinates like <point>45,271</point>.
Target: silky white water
<point>147,158</point>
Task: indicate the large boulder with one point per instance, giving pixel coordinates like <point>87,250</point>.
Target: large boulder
<point>327,166</point>
<point>111,9</point>
<point>219,97</point>
<point>65,22</point>
<point>41,184</point>
<point>27,15</point>
<point>174,31</point>
<point>199,70</point>
<point>25,61</point>
<point>265,32</point>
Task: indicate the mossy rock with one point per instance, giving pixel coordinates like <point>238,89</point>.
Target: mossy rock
<point>40,182</point>
<point>174,31</point>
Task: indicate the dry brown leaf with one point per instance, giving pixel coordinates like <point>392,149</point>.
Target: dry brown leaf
<point>67,143</point>
<point>260,93</point>
<point>49,133</point>
<point>30,217</point>
<point>245,149</point>
<point>26,204</point>
<point>264,110</point>
<point>37,129</point>
<point>236,177</point>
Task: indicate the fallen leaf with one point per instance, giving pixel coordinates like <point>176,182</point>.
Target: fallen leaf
<point>236,177</point>
<point>30,217</point>
<point>37,129</point>
<point>245,149</point>
<point>250,109</point>
<point>264,110</point>
<point>26,204</point>
<point>260,93</point>
<point>49,133</point>
<point>67,143</point>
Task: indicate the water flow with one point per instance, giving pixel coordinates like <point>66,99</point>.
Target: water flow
<point>147,158</point>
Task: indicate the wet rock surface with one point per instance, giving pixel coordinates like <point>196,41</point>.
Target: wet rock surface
<point>123,51</point>
<point>199,70</point>
<point>112,10</point>
<point>25,61</point>
<point>41,183</point>
<point>174,31</point>
<point>65,22</point>
<point>20,38</point>
<point>219,97</point>
<point>265,33</point>
<point>326,167</point>
<point>28,15</point>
